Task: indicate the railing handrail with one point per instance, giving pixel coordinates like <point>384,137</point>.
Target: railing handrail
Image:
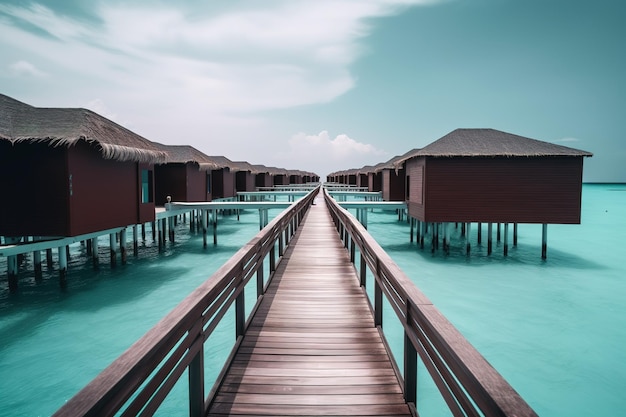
<point>467,382</point>
<point>151,366</point>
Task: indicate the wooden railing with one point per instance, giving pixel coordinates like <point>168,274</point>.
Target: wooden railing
<point>469,385</point>
<point>139,380</point>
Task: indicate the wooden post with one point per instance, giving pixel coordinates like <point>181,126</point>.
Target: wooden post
<point>112,249</point>
<point>468,246</point>
<point>446,237</point>
<point>12,272</point>
<point>544,241</point>
<point>378,298</point>
<point>410,370</point>
<point>489,238</point>
<point>260,284</point>
<point>352,250</point>
<point>272,260</point>
<point>88,248</point>
<point>411,225</point>
<point>280,245</point>
<point>143,232</point>
<point>94,251</point>
<point>204,218</point>
<point>153,224</point>
<point>123,246</point>
<point>135,241</point>
<point>196,377</point>
<point>480,233</point>
<point>506,239</point>
<point>514,234</point>
<point>215,227</point>
<point>260,219</point>
<point>192,220</point>
<point>364,218</point>
<point>62,266</point>
<point>37,264</point>
<point>363,271</point>
<point>49,258</point>
<point>422,233</point>
<point>418,225</point>
<point>498,233</point>
<point>170,225</point>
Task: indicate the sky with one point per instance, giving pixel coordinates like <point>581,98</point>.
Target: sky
<point>328,85</point>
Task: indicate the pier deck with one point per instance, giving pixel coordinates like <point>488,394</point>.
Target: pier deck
<point>312,348</point>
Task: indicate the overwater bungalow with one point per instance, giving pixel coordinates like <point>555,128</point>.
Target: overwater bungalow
<point>223,178</point>
<point>70,171</point>
<point>263,176</point>
<point>281,176</point>
<point>185,175</point>
<point>485,175</point>
<point>363,176</point>
<point>245,175</point>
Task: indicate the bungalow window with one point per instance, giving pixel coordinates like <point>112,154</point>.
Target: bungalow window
<point>146,186</point>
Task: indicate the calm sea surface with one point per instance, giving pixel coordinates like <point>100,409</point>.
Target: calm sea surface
<point>555,329</point>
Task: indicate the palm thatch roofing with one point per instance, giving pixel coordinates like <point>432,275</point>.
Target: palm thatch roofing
<point>20,122</point>
<point>223,162</point>
<point>491,143</point>
<point>243,166</point>
<point>182,154</point>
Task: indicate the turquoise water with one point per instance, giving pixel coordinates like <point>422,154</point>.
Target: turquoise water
<point>555,329</point>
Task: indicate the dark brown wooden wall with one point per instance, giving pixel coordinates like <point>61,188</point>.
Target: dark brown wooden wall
<point>170,179</point>
<point>223,183</point>
<point>393,185</point>
<point>197,184</point>
<point>104,192</point>
<point>35,186</point>
<point>374,181</point>
<point>244,181</point>
<point>520,190</point>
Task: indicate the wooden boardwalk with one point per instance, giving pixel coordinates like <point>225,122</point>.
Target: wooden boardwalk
<point>312,348</point>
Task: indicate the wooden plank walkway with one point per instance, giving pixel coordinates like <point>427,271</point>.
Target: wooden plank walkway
<point>312,348</point>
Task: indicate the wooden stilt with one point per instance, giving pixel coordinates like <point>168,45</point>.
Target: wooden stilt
<point>468,246</point>
<point>506,239</point>
<point>154,227</point>
<point>94,251</point>
<point>446,237</point>
<point>123,246</point>
<point>417,231</point>
<point>544,241</point>
<point>463,231</point>
<point>12,272</point>
<point>215,227</point>
<point>412,224</point>
<point>143,232</point>
<point>489,238</point>
<point>423,232</point>
<point>112,248</point>
<point>514,234</point>
<point>63,266</point>
<point>480,233</point>
<point>498,235</point>
<point>135,240</point>
<point>49,258</point>
<point>37,264</point>
<point>88,248</point>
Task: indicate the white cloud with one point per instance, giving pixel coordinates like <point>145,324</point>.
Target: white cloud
<point>322,154</point>
<point>25,68</point>
<point>183,75</point>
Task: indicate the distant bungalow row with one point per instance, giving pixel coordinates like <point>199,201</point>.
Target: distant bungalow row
<point>479,176</point>
<point>70,172</point>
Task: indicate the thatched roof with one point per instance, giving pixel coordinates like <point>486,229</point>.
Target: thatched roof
<point>182,154</point>
<point>20,122</point>
<point>243,166</point>
<point>222,162</point>
<point>491,143</point>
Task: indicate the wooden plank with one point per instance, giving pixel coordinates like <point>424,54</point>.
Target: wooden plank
<point>312,347</point>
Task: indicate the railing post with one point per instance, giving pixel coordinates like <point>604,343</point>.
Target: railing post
<point>352,250</point>
<point>280,244</point>
<point>410,365</point>
<point>272,260</point>
<point>363,271</point>
<point>378,298</point>
<point>196,376</point>
<point>260,284</point>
